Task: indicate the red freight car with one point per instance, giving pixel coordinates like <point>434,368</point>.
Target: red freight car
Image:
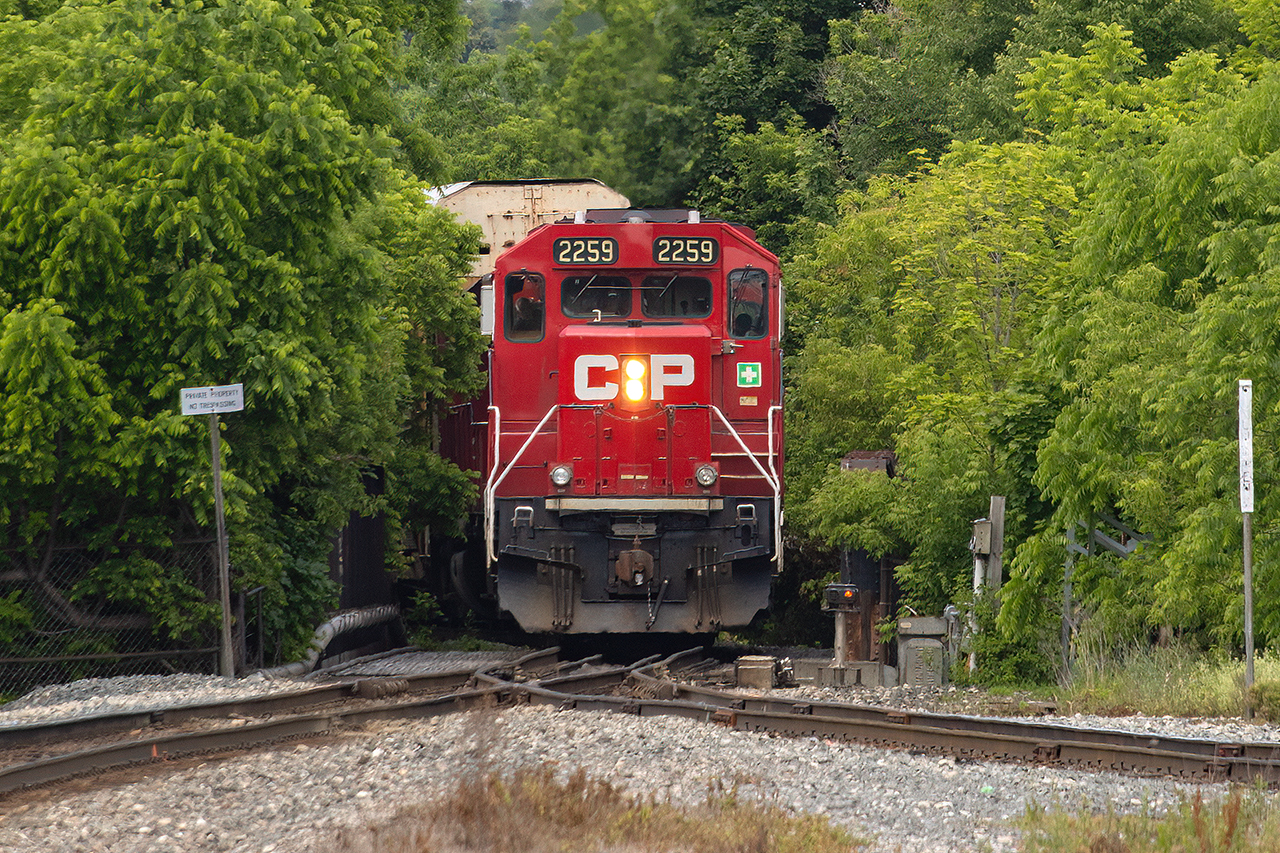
<point>633,470</point>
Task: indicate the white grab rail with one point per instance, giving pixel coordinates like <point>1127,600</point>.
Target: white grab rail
<point>771,478</point>
<point>495,479</point>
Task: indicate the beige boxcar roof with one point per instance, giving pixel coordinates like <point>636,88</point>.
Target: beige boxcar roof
<point>508,210</point>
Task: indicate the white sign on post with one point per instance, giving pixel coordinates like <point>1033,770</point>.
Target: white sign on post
<point>1246,445</point>
<point>213,399</point>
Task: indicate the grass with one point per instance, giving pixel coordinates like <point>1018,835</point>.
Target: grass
<point>534,812</point>
<point>1244,822</point>
<point>1163,681</point>
<point>431,642</point>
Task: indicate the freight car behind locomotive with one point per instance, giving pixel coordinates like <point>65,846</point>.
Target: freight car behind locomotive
<point>632,441</point>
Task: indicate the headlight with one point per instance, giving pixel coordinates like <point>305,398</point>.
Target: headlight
<point>633,380</point>
<point>706,475</point>
<point>561,475</point>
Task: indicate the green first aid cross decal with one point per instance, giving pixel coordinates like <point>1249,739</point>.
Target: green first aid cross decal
<point>749,374</point>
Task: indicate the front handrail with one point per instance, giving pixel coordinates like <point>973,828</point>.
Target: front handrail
<point>771,478</point>
<point>770,475</point>
<point>495,479</point>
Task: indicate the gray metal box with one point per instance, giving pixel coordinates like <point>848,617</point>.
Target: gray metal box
<point>923,662</point>
<point>981,543</point>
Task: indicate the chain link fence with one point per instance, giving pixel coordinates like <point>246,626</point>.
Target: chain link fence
<point>63,617</point>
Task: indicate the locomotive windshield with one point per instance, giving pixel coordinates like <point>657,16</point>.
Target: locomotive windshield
<point>675,296</point>
<point>585,295</point>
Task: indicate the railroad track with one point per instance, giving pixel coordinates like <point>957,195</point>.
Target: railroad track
<point>44,755</point>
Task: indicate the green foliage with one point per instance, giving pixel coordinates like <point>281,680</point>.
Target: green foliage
<point>1264,698</point>
<point>774,180</point>
<point>939,281</point>
<point>1006,658</point>
<point>198,193</point>
<point>1173,304</point>
<point>138,583</point>
<point>1243,821</point>
<point>984,105</point>
<point>15,617</point>
<point>420,618</point>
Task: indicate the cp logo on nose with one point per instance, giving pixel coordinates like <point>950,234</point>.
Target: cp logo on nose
<point>599,378</point>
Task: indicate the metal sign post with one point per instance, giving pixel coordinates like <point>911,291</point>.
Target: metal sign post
<point>210,400</point>
<point>1246,508</point>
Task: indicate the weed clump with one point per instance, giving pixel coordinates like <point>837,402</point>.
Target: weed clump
<point>1243,822</point>
<point>532,811</point>
<point>1264,697</point>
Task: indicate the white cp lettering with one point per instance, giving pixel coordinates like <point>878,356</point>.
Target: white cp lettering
<point>670,370</point>
<point>666,370</point>
<point>582,387</point>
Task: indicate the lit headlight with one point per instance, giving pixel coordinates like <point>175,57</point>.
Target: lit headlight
<point>561,475</point>
<point>706,475</point>
<point>633,383</point>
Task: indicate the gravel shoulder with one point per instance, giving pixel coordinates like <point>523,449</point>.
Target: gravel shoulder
<point>295,797</point>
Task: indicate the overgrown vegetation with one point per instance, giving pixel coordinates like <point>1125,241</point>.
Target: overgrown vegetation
<point>1243,822</point>
<point>229,191</point>
<point>532,811</point>
<point>204,194</point>
<point>1158,681</point>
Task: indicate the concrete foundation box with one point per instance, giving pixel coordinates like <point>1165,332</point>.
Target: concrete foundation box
<point>924,662</point>
<point>755,671</point>
<point>858,674</point>
<point>808,670</point>
<point>923,651</point>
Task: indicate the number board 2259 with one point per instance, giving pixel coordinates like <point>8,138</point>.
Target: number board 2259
<point>572,251</point>
<point>686,250</point>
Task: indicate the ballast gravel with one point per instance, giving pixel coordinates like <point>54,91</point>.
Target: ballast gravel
<point>296,797</point>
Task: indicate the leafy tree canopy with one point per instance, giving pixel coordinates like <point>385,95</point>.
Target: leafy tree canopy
<point>188,199</point>
<point>949,269</point>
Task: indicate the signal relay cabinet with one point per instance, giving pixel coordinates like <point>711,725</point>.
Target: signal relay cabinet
<point>924,651</point>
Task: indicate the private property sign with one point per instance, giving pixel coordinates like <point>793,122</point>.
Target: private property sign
<point>213,399</point>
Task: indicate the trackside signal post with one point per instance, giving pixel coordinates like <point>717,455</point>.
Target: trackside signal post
<point>210,400</point>
<point>1246,509</point>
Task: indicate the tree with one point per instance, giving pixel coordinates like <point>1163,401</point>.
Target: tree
<point>776,180</point>
<point>933,358</point>
<point>984,103</point>
<point>188,201</point>
<point>1173,304</point>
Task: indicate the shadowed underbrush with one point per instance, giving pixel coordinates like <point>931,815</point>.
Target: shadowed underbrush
<point>533,812</point>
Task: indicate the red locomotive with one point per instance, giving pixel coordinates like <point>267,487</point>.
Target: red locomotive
<point>632,471</point>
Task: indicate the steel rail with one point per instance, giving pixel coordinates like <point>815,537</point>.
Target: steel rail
<point>101,725</point>
<point>1030,729</point>
<point>249,735</point>
<point>495,690</point>
<point>962,737</point>
<point>977,737</point>
<point>170,747</point>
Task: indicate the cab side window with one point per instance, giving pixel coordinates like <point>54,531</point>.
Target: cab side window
<point>524,306</point>
<point>748,303</point>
